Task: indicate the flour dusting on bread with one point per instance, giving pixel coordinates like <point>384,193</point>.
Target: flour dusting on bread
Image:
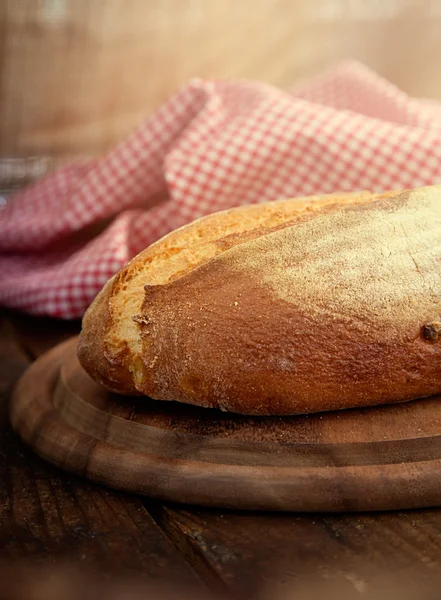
<point>169,258</point>
<point>289,307</point>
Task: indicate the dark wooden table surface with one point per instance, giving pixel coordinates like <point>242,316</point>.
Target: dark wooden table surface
<point>48,517</point>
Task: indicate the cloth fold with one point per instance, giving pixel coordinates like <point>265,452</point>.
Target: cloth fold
<point>213,145</point>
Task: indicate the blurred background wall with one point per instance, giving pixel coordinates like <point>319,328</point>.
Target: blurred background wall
<point>77,75</point>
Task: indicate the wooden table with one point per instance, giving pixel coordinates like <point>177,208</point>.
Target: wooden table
<point>51,517</point>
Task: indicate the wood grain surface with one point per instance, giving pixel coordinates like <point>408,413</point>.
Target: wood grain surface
<point>78,75</point>
<point>325,462</point>
<point>273,556</point>
<point>345,556</point>
<point>49,517</point>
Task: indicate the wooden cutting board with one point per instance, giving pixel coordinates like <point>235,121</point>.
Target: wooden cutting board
<point>372,459</point>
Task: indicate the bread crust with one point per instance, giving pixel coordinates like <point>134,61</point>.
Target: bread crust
<point>332,304</point>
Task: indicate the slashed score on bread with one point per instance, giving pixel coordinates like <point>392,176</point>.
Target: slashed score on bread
<point>289,307</point>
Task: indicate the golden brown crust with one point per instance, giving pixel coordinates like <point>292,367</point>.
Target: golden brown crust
<point>92,348</point>
<point>319,310</point>
<point>110,344</point>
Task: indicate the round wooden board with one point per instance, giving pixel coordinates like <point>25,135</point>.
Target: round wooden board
<point>372,459</point>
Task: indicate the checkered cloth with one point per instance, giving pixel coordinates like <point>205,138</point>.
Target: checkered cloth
<point>214,145</point>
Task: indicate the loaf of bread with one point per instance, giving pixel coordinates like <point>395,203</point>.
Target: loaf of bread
<point>290,307</point>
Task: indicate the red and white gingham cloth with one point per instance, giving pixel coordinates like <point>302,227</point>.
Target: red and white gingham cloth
<point>214,145</point>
